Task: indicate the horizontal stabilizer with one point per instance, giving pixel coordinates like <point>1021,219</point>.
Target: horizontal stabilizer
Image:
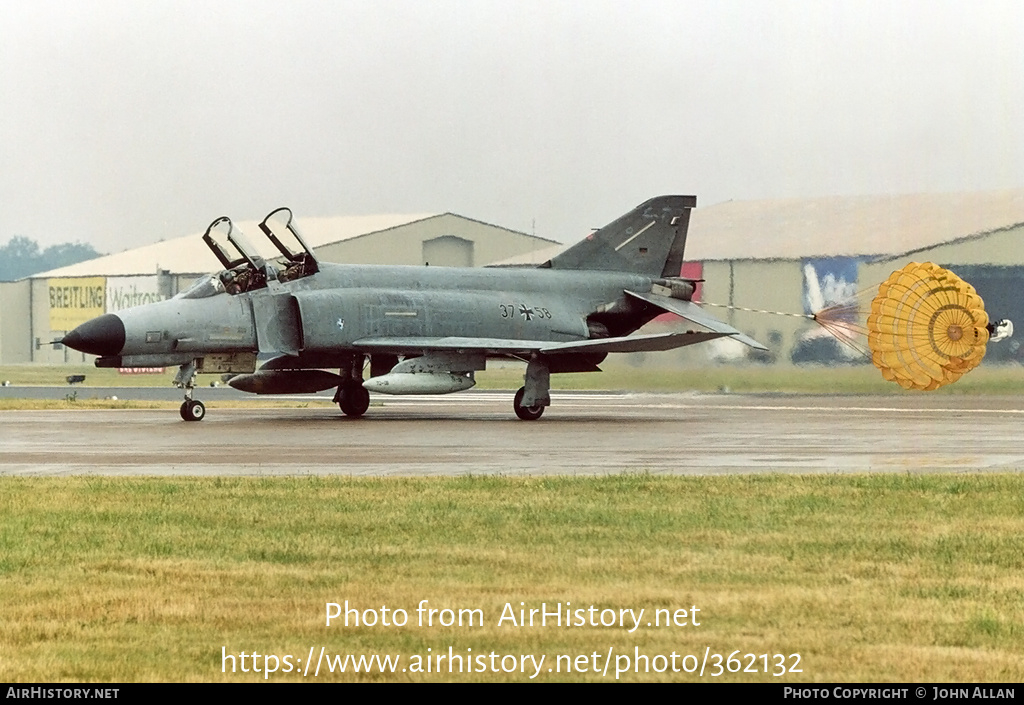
<point>633,343</point>
<point>695,314</point>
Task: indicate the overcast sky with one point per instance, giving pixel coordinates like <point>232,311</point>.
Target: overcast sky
<point>124,122</point>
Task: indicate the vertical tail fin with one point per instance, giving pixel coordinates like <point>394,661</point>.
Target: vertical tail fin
<point>648,240</point>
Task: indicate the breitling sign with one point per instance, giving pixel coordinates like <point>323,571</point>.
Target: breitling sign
<point>75,300</point>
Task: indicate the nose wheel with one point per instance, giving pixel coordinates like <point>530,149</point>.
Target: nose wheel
<point>192,410</point>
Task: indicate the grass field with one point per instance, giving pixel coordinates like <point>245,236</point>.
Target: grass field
<point>867,578</point>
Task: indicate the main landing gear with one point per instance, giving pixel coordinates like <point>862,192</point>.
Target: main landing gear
<point>532,397</point>
<point>526,413</point>
<point>353,399</point>
<point>191,409</point>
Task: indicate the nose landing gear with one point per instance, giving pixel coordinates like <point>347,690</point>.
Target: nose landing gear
<point>191,409</point>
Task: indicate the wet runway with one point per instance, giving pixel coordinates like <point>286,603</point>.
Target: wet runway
<point>582,433</point>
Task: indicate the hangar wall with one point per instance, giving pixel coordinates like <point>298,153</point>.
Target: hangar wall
<point>771,285</point>
<point>15,326</point>
<point>405,244</point>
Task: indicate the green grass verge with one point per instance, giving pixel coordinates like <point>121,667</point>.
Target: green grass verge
<point>861,379</point>
<point>868,578</point>
<point>56,375</point>
<point>620,374</point>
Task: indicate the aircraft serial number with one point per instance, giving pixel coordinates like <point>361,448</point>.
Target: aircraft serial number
<point>527,312</point>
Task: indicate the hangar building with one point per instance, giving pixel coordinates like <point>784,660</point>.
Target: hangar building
<point>43,307</point>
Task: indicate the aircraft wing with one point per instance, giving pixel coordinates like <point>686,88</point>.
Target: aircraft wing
<point>695,314</point>
<point>635,343</point>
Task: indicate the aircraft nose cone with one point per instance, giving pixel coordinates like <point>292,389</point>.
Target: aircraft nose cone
<point>103,335</point>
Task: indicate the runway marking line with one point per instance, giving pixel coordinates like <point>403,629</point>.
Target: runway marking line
<point>591,401</point>
<point>879,409</point>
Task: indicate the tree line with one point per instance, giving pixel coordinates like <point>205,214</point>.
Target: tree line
<point>22,257</point>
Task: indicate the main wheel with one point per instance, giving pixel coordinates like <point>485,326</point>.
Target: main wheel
<point>354,400</point>
<point>526,413</point>
<point>192,410</point>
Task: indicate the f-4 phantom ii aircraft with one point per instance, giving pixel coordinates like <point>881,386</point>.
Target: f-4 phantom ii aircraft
<point>425,330</point>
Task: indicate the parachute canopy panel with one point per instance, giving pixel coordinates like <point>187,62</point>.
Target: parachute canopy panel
<point>927,327</point>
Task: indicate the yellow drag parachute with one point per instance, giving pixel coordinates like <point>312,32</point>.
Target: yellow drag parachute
<point>927,327</point>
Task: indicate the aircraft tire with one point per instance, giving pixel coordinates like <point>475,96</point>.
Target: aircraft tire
<point>526,413</point>
<point>193,410</point>
<point>355,400</point>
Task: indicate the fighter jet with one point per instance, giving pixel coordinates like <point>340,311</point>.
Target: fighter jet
<point>424,330</point>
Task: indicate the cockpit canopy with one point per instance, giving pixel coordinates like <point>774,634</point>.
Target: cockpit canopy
<point>299,259</point>
<point>245,269</point>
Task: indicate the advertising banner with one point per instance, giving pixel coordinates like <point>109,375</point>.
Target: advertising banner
<point>74,300</point>
<point>829,281</point>
<point>125,292</point>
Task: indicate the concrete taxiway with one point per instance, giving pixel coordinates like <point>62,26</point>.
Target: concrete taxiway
<point>582,433</point>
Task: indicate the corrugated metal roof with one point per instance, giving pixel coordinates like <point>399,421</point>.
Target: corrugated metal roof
<point>868,226</point>
<point>846,225</point>
<point>190,255</point>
